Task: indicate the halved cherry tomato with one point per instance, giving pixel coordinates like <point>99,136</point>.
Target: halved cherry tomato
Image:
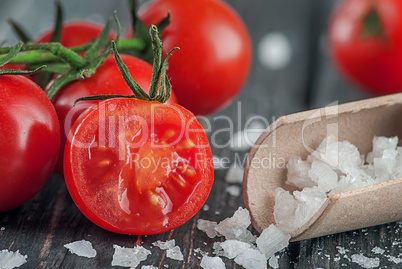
<point>29,140</point>
<point>106,80</point>
<point>138,167</point>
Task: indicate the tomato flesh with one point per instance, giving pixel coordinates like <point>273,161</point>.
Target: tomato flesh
<point>139,168</point>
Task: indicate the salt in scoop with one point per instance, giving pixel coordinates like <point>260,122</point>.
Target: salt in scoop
<point>297,135</point>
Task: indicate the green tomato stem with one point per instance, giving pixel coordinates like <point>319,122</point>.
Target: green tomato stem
<point>35,54</point>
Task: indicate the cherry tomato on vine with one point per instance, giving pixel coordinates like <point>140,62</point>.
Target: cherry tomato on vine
<point>366,43</point>
<point>29,140</point>
<point>138,167</point>
<point>106,80</point>
<point>215,51</point>
<point>75,33</point>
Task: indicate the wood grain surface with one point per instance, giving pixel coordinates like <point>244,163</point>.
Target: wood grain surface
<point>42,226</point>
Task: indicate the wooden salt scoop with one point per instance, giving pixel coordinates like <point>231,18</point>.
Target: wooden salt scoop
<point>298,135</point>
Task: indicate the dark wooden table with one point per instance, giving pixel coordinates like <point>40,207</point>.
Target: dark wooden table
<point>42,226</point>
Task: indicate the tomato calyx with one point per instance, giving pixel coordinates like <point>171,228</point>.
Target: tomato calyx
<point>140,30</point>
<point>372,25</point>
<point>160,88</point>
<point>9,56</point>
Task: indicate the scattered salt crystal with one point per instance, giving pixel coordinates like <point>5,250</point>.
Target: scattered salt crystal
<point>129,257</point>
<point>341,250</point>
<point>208,262</point>
<point>205,207</point>
<point>2,229</point>
<point>235,174</point>
<point>236,227</point>
<point>148,267</point>
<point>364,261</point>
<point>198,250</point>
<point>251,259</point>
<point>234,190</point>
<point>10,259</point>
<point>208,227</point>
<point>272,240</point>
<point>164,245</point>
<point>378,250</point>
<point>218,250</point>
<point>394,259</point>
<point>273,262</point>
<point>81,248</point>
<point>232,248</point>
<point>175,253</point>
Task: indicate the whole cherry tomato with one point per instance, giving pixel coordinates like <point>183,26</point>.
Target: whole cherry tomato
<point>75,33</point>
<point>29,140</point>
<point>215,51</point>
<point>138,167</point>
<point>106,80</point>
<point>365,41</point>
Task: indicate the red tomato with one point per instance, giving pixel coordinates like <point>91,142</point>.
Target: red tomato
<point>138,167</point>
<point>75,33</point>
<point>368,54</point>
<point>215,51</point>
<point>29,140</point>
<point>106,80</point>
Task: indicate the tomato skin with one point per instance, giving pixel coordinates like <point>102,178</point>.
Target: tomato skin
<point>215,52</point>
<point>106,80</point>
<point>372,62</point>
<point>75,33</point>
<point>29,140</point>
<point>115,195</point>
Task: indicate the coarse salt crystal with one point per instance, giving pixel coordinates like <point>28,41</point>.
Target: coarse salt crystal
<point>378,250</point>
<point>148,267</point>
<point>175,253</point>
<point>273,262</point>
<point>232,248</point>
<point>208,262</point>
<point>364,261</point>
<point>235,174</point>
<point>129,257</point>
<point>236,227</point>
<point>164,245</point>
<point>2,229</point>
<point>251,259</point>
<point>272,240</point>
<point>10,259</point>
<point>81,248</point>
<point>234,190</point>
<point>208,227</point>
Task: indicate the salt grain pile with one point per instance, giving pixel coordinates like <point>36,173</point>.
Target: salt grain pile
<point>246,249</point>
<point>334,167</point>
